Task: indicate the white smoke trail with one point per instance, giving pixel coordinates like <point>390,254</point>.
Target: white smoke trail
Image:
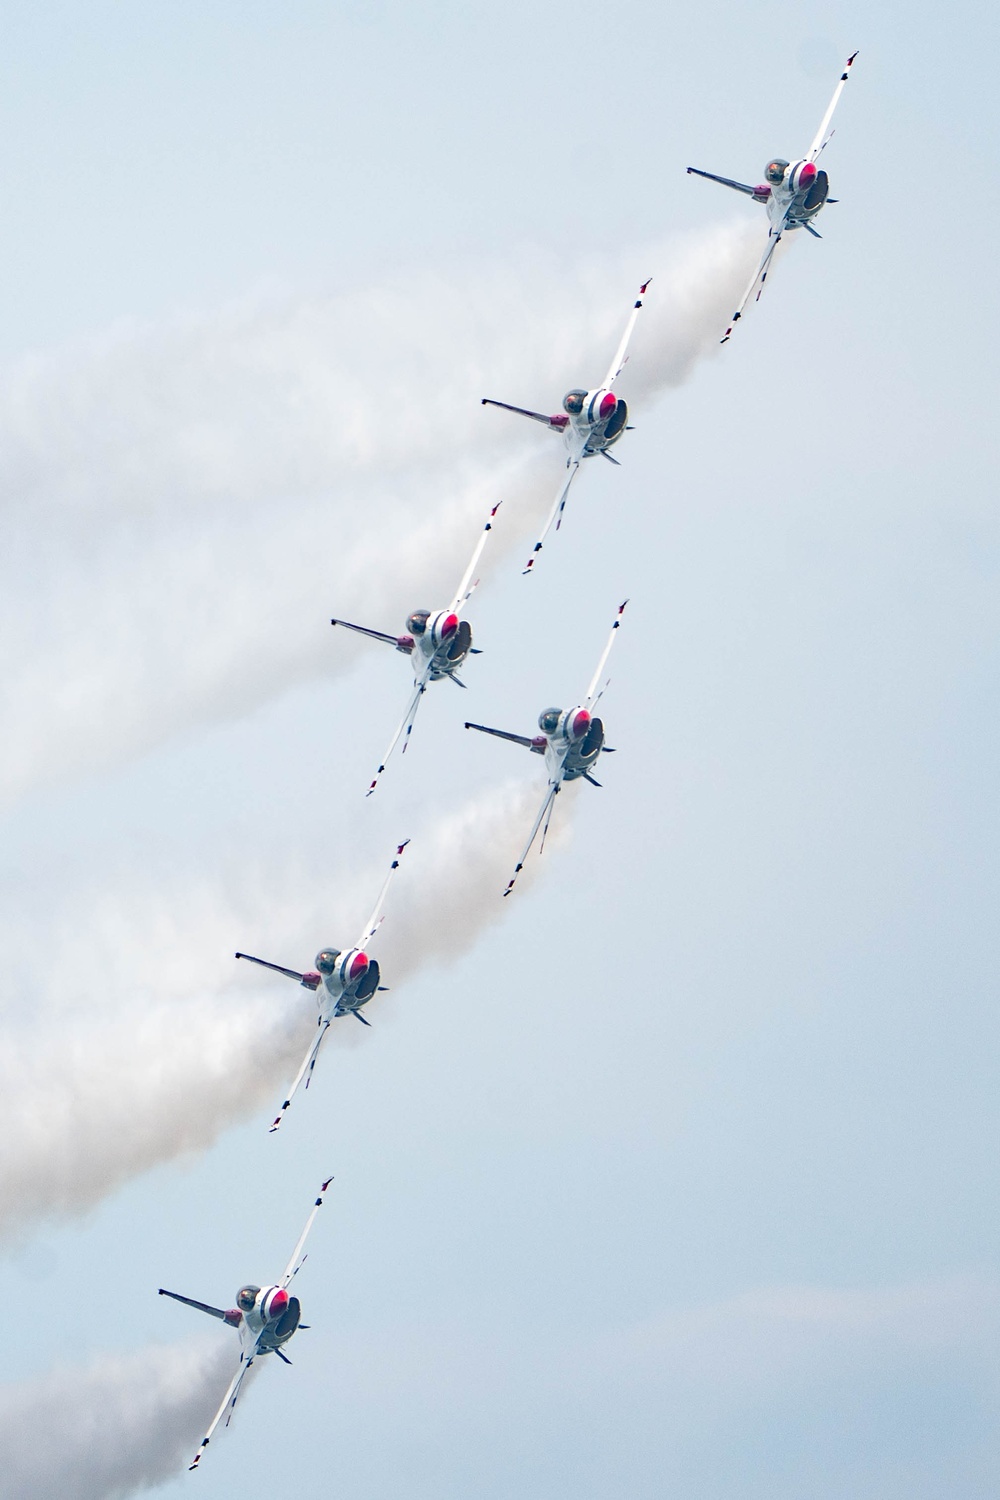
<point>176,1041</point>
<point>184,507</point>
<point>122,1424</point>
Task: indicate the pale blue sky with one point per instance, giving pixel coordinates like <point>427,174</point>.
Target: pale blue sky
<point>682,1180</point>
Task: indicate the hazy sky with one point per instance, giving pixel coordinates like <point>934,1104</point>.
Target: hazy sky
<point>674,1173</point>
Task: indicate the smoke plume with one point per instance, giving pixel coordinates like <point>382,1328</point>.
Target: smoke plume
<point>185,506</point>
<point>161,1041</point>
<point>122,1424</point>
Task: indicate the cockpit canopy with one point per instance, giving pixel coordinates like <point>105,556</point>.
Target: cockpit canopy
<point>417,622</point>
<point>573,402</point>
<point>326,961</point>
<point>246,1297</point>
<point>774,172</point>
<point>548,722</point>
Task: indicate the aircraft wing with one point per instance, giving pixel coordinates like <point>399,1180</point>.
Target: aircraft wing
<point>758,279</point>
<point>310,981</point>
<point>544,815</point>
<point>228,1401</point>
<point>375,920</point>
<point>556,423</point>
<point>503,734</point>
<point>405,728</point>
<point>741,187</point>
<point>465,588</point>
<point>555,514</point>
<point>294,1262</point>
<point>821,138</point>
<point>376,635</point>
<point>213,1312</point>
<point>308,1063</point>
<point>618,363</point>
<point>592,691</point>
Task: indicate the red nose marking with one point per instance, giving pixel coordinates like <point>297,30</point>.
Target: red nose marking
<point>608,404</point>
<point>359,964</point>
<point>277,1304</point>
<point>581,723</point>
<point>807,173</point>
<point>449,625</point>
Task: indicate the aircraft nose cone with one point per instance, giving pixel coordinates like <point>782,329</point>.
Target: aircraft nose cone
<point>278,1303</point>
<point>359,964</point>
<point>608,404</point>
<point>449,625</point>
<point>807,174</point>
<point>581,723</point>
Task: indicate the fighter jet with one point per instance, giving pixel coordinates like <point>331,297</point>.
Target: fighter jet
<point>343,983</point>
<point>437,642</point>
<point>265,1319</point>
<point>793,194</point>
<point>572,741</point>
<point>590,422</point>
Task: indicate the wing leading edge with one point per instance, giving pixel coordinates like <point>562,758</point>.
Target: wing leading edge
<point>821,138</point>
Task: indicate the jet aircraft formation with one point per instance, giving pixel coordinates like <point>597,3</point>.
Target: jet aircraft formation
<point>571,741</point>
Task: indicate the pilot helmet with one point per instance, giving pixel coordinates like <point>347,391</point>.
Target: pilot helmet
<point>775,172</point>
<point>326,961</point>
<point>573,402</point>
<point>246,1297</point>
<point>417,623</point>
<point>548,722</point>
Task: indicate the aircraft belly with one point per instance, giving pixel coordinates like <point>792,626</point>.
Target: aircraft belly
<point>581,757</point>
<point>330,998</point>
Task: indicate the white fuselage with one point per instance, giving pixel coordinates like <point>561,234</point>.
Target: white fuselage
<point>798,198</point>
<point>587,432</point>
<point>568,754</point>
<point>339,991</point>
<point>441,647</point>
